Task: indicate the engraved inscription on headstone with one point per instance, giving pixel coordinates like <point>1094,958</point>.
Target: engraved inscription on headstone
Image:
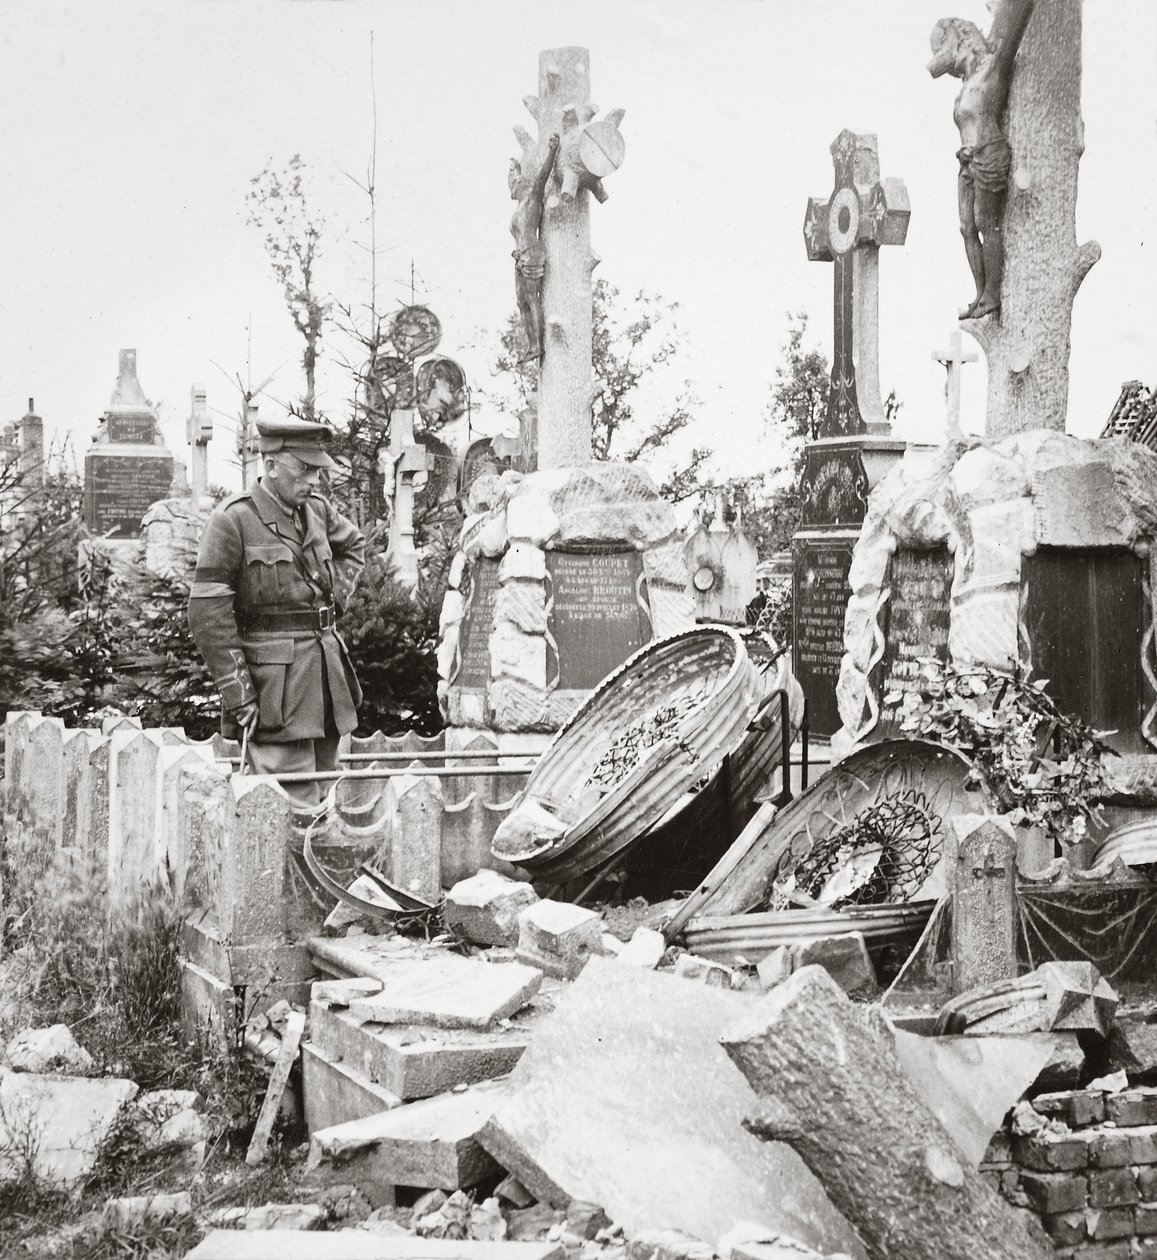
<point>915,626</point>
<point>139,427</point>
<point>474,665</point>
<point>598,613</point>
<point>119,489</point>
<point>821,598</point>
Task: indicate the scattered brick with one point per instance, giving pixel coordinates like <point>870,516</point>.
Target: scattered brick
<point>1147,1183</point>
<point>1066,1228</point>
<point>1113,1222</point>
<point>1054,1193</point>
<point>1112,1187</point>
<point>1145,1219</point>
<point>1143,1145</point>
<point>1110,1148</point>
<point>1078,1108</point>
<point>1010,1182</point>
<point>999,1153</point>
<point>1050,1152</point>
<point>1132,1106</point>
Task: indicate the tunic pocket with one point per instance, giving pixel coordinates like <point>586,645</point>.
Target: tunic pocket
<point>269,663</point>
<point>270,571</point>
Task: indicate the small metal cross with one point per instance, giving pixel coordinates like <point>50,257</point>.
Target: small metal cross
<point>989,870</point>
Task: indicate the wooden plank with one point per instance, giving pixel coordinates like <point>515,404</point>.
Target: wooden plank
<point>286,1056</point>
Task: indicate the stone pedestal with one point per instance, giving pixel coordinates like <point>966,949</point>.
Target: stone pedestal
<point>561,575</point>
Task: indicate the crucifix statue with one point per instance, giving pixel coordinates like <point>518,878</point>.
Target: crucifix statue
<point>847,229</point>
<point>954,358</point>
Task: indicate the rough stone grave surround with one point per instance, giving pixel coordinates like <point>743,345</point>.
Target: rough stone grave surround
<point>991,504</point>
<point>517,518</point>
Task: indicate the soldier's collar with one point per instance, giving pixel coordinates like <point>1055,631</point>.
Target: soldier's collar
<point>270,508</point>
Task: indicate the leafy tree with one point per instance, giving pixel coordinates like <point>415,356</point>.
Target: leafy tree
<point>279,206</point>
<point>770,499</point>
<point>626,349</point>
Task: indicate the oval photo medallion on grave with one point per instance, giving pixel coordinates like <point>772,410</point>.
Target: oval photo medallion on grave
<point>441,391</point>
<point>843,220</point>
<point>414,331</point>
<point>390,383</point>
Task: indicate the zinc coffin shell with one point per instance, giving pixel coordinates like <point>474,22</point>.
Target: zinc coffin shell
<point>709,663</point>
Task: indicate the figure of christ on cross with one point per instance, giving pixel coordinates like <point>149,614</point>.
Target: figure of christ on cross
<point>529,252</point>
<point>985,66</point>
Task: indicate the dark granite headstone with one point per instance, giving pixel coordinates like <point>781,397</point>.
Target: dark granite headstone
<point>915,625</point>
<point>119,488</point>
<point>820,583</point>
<point>1086,614</point>
<point>598,613</point>
<point>478,622</point>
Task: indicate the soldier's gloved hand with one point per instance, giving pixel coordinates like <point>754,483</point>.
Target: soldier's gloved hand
<point>245,715</point>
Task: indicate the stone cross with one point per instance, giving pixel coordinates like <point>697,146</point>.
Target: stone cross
<point>954,359</point>
<point>199,432</point>
<point>983,903</point>
<point>848,228</point>
<point>403,459</point>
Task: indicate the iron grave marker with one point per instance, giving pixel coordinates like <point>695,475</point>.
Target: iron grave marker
<point>820,580</point>
<point>598,613</point>
<point>478,622</point>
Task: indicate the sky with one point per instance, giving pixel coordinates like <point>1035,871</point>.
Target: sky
<point>130,132</point>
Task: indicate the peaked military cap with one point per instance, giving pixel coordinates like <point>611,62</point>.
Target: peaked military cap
<point>303,438</point>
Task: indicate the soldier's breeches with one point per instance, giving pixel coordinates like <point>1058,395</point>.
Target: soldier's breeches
<point>297,757</point>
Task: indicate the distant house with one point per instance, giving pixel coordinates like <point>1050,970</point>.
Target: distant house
<point>1134,415</point>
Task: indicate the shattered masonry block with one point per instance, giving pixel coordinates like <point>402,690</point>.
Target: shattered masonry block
<point>845,958</point>
<point>1110,1223</point>
<point>1147,1184</point>
<point>645,949</point>
<point>714,975</point>
<point>1133,1046</point>
<point>774,968</point>
<point>485,908</point>
<point>1142,1144</point>
<point>1052,1193</point>
<point>1145,1219</point>
<point>558,937</point>
<point>1112,1187</point>
<point>52,1049</point>
<point>336,1092</point>
<point>429,1143</point>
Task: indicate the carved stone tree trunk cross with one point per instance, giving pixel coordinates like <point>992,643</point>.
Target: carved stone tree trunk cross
<point>588,151</point>
<point>1027,340</point>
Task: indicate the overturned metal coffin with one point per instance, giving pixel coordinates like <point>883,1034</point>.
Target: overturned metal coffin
<point>653,731</point>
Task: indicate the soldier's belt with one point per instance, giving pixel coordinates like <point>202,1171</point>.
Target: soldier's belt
<point>305,619</point>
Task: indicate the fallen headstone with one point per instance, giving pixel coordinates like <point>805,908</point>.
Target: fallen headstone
<point>558,937</point>
<point>625,1099</point>
<point>52,1049</point>
<point>53,1126</point>
<point>427,1143</point>
<point>484,909</point>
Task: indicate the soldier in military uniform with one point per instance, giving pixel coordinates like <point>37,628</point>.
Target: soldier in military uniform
<point>276,564</point>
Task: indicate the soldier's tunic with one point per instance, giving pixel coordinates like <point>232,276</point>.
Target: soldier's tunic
<point>262,605</point>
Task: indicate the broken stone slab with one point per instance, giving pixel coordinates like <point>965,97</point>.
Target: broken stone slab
<point>417,1061</point>
<point>668,1244</point>
<point>830,1084</point>
<point>48,1050</point>
<point>334,1092</point>
<point>558,937</point>
<point>1133,1048</point>
<point>430,1143</point>
<point>645,949</point>
<point>845,958</point>
<point>625,1099</point>
<point>53,1126</point>
<point>747,1241</point>
<point>713,974</point>
<point>357,1244</point>
<point>448,991</point>
<point>484,909</point>
<point>774,968</point>
<point>281,1217</point>
<point>1067,995</point>
<point>133,1211</point>
<point>330,994</point>
<point>969,1083</point>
